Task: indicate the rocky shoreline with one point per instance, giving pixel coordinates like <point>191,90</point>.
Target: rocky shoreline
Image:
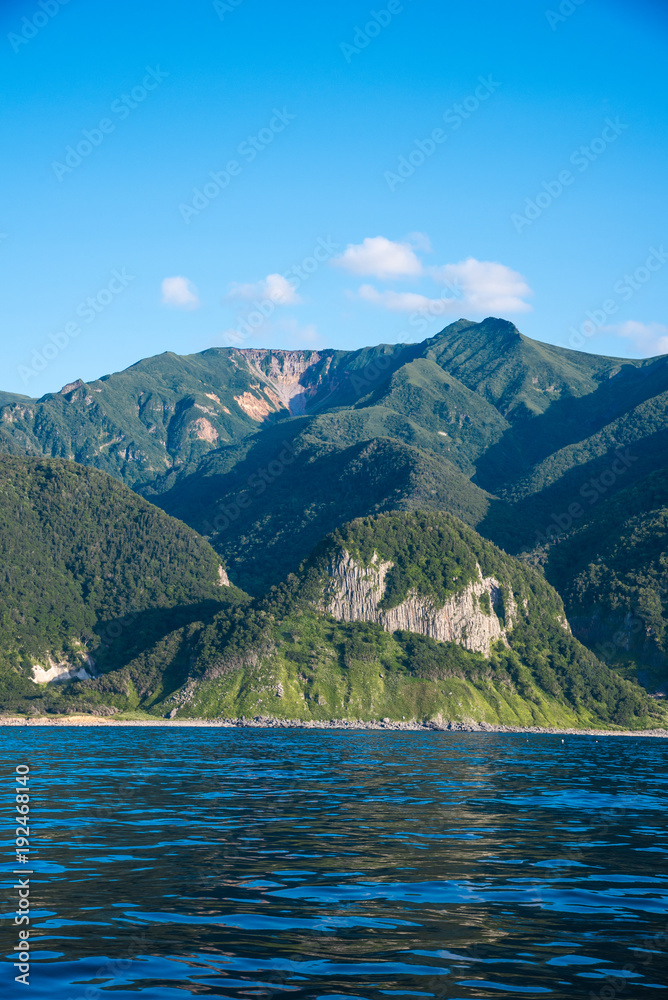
<point>268,722</point>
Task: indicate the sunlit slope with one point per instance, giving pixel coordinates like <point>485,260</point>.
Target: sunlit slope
<point>287,656</point>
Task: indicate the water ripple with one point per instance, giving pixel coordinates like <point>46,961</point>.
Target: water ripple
<point>239,863</point>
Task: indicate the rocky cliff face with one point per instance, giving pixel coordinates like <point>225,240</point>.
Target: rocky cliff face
<point>291,376</point>
<point>469,618</point>
<point>78,667</point>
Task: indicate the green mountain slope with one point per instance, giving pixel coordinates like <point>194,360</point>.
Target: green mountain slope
<point>166,412</point>
<point>7,398</point>
<point>519,376</point>
<point>291,488</point>
<point>613,575</point>
<point>88,567</point>
<point>545,441</point>
<point>139,422</point>
<point>422,405</point>
<point>265,452</point>
<point>287,657</point>
<point>578,477</point>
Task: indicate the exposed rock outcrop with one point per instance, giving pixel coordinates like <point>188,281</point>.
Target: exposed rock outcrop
<point>284,371</point>
<point>469,618</point>
<point>62,671</point>
<point>258,409</point>
<point>204,430</point>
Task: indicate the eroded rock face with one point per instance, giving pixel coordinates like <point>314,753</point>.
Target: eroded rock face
<point>61,671</point>
<point>284,371</point>
<point>255,407</point>
<point>204,430</point>
<point>355,591</point>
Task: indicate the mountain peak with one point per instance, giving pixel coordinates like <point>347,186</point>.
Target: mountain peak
<point>499,329</point>
<point>72,387</point>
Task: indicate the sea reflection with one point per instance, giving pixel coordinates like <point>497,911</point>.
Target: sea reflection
<point>238,863</point>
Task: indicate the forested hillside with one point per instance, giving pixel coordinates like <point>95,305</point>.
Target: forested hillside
<point>266,452</point>
<point>613,575</point>
<point>90,569</point>
<point>285,655</point>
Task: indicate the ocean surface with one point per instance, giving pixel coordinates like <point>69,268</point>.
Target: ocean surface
<point>264,863</point>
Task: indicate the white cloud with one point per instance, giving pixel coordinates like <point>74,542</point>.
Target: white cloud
<point>380,258</point>
<point>486,286</point>
<point>650,339</point>
<point>472,286</point>
<point>407,301</point>
<point>180,292</point>
<point>274,287</point>
<point>477,286</point>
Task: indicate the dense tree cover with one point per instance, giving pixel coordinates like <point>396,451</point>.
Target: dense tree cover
<point>167,412</point>
<point>87,565</point>
<point>613,573</point>
<point>435,554</point>
<point>478,400</point>
<point>266,516</point>
<point>507,433</point>
<point>430,549</point>
<point>166,670</point>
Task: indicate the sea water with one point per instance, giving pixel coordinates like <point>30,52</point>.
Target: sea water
<point>291,863</point>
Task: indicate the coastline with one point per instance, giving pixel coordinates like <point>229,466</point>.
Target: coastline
<point>265,722</point>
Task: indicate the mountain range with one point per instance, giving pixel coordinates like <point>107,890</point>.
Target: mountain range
<point>554,456</point>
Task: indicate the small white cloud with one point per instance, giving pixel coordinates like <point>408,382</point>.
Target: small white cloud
<point>180,293</point>
<point>274,287</point>
<point>380,258</point>
<point>407,301</point>
<point>486,286</point>
<point>650,339</point>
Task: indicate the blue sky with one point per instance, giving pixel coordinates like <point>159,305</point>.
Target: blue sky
<point>196,174</point>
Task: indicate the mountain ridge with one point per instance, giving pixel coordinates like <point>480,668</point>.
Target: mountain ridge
<point>265,452</point>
